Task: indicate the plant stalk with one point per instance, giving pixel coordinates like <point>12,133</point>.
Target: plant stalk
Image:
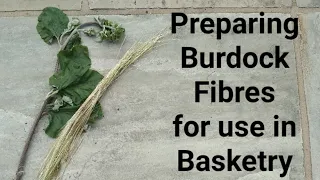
<point>20,170</point>
<point>23,157</point>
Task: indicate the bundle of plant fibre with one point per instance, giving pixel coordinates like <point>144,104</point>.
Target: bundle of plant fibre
<point>69,137</point>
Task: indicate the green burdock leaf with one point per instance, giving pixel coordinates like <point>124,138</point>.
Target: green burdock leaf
<point>57,119</point>
<point>79,90</point>
<point>74,64</point>
<point>75,40</point>
<point>51,23</point>
<point>75,82</point>
<point>45,34</point>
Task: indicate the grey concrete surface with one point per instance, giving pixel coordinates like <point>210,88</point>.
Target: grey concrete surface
<point>135,139</point>
<point>308,3</point>
<point>26,64</point>
<point>312,86</point>
<point>114,4</point>
<point>15,5</point>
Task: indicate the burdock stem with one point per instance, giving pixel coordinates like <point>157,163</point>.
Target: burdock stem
<point>23,157</point>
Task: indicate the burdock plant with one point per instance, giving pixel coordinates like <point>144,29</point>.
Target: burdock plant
<point>73,80</point>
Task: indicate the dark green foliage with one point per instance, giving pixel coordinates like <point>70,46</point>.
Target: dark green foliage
<point>51,23</point>
<point>75,81</point>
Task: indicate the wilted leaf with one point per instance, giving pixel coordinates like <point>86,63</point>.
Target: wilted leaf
<point>67,100</point>
<point>74,64</point>
<point>57,119</point>
<point>57,104</point>
<point>51,23</point>
<point>79,90</point>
